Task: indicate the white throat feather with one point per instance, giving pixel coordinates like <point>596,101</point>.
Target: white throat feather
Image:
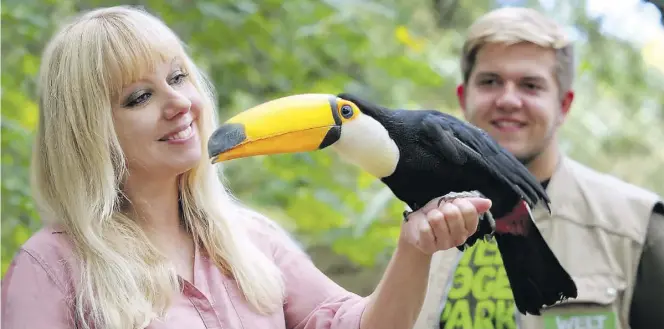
<point>366,143</point>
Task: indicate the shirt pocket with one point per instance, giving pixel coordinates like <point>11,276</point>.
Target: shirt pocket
<point>596,306</point>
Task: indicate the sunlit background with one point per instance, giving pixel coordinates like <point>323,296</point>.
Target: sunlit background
<point>401,53</point>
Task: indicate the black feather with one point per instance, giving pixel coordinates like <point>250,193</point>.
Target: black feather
<point>440,154</point>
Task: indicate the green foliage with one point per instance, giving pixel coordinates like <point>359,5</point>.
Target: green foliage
<point>401,53</point>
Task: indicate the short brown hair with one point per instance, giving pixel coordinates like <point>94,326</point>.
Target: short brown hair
<point>510,25</point>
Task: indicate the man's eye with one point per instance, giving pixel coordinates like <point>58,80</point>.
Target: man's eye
<point>531,86</point>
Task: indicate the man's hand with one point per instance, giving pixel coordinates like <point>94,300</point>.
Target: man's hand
<point>440,227</point>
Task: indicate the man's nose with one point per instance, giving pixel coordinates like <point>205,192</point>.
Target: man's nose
<point>509,99</point>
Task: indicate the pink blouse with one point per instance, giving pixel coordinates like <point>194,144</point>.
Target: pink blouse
<point>37,291</point>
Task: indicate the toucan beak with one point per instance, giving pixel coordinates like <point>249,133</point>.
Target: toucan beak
<point>290,124</point>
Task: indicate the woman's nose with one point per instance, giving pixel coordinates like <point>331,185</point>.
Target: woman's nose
<point>177,104</point>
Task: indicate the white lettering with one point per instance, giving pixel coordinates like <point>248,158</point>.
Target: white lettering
<point>571,323</point>
<point>594,322</point>
<point>581,322</point>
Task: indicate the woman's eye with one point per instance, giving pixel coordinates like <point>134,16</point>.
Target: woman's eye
<point>138,100</point>
<point>179,78</point>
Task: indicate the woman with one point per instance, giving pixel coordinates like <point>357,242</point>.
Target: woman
<point>141,233</point>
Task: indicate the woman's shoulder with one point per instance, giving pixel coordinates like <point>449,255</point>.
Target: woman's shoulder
<point>49,249</point>
<point>37,289</point>
<point>49,242</point>
<point>267,233</point>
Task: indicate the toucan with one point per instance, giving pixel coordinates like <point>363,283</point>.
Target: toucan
<point>420,154</point>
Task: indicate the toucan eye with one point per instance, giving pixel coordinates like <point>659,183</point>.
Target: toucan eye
<point>346,111</point>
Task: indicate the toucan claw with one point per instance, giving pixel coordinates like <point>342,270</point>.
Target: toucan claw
<point>492,223</point>
<point>472,194</point>
<point>405,215</point>
<point>458,195</point>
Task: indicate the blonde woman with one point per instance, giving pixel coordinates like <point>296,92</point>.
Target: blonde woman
<point>140,232</point>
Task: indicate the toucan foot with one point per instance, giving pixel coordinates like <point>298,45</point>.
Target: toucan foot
<point>463,247</point>
<point>472,194</point>
<point>457,195</point>
<point>405,215</point>
<point>492,223</point>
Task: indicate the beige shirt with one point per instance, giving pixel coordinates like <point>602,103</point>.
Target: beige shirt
<point>604,232</point>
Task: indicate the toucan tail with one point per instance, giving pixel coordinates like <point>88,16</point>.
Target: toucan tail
<point>536,276</point>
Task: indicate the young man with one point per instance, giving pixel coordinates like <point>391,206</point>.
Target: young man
<point>518,69</point>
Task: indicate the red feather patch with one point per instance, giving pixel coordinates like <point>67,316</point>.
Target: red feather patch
<point>515,222</point>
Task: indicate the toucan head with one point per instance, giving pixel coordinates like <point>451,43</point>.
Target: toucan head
<point>307,122</point>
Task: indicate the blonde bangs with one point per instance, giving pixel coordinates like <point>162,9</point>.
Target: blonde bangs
<point>125,50</point>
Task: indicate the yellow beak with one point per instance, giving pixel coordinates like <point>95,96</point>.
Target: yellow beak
<point>290,124</point>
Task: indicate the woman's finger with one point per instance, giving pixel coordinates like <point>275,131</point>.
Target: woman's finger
<point>426,240</point>
<point>469,213</point>
<point>455,223</point>
<point>441,231</point>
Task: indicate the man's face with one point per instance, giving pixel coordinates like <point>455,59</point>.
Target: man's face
<point>513,95</point>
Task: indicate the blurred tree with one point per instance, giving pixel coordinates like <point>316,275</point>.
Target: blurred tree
<point>399,53</point>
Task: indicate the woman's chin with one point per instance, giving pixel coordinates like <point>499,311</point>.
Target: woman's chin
<point>188,164</point>
<point>182,164</point>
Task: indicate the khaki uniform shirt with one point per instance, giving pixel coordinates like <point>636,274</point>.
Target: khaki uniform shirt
<point>604,232</point>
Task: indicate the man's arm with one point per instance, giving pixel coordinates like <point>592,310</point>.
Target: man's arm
<point>646,309</point>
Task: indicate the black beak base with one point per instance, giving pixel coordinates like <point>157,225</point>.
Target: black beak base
<point>226,137</point>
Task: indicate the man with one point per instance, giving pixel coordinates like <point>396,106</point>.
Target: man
<point>518,69</point>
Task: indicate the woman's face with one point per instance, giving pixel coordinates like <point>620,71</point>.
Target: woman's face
<point>155,120</point>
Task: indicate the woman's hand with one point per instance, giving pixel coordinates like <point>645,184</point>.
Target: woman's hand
<point>433,228</point>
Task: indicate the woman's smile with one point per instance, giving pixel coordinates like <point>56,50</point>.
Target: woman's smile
<point>181,135</point>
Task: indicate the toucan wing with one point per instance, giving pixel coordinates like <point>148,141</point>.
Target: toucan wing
<point>460,142</point>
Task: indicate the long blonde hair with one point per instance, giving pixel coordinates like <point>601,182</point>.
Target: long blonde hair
<point>79,168</point>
